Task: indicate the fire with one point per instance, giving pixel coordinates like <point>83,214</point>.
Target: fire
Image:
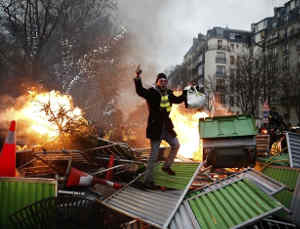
<point>32,112</point>
<point>187,128</point>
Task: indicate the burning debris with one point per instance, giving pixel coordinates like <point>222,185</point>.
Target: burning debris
<point>76,171</point>
<point>97,167</point>
<point>49,119</point>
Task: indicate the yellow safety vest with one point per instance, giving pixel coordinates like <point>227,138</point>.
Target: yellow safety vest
<point>164,103</point>
<point>276,148</point>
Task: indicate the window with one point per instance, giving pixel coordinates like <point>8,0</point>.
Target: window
<point>238,59</point>
<point>232,72</point>
<point>237,46</point>
<point>221,58</point>
<point>220,44</point>
<point>232,81</point>
<point>232,85</point>
<point>217,97</point>
<point>238,37</point>
<point>238,100</point>
<point>286,49</point>
<point>232,36</point>
<point>231,59</point>
<point>219,32</point>
<point>231,101</point>
<point>222,99</point>
<point>273,67</point>
<point>274,52</point>
<point>232,47</point>
<point>285,64</point>
<point>286,18</point>
<point>220,71</point>
<point>220,84</point>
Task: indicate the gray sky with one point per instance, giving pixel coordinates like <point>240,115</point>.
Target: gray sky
<point>165,28</point>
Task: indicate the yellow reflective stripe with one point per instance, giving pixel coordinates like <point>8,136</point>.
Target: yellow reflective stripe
<point>165,104</point>
<point>164,98</point>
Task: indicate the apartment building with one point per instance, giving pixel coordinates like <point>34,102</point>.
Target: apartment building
<point>278,38</point>
<point>224,48</point>
<point>212,59</point>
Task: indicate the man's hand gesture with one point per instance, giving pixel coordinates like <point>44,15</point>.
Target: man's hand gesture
<point>138,71</point>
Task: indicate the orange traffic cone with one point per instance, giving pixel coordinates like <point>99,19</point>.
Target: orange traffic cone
<point>80,178</point>
<point>8,153</point>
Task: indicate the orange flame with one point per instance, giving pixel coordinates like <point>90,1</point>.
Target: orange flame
<point>31,112</point>
<point>186,125</point>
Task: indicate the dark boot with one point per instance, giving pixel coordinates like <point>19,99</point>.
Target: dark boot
<point>151,186</point>
<point>168,170</point>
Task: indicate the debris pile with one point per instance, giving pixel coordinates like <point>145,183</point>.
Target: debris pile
<point>100,185</point>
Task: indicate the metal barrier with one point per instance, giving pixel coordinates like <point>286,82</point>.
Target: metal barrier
<point>262,144</point>
<point>66,212</point>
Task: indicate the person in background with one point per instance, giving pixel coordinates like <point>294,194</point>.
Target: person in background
<point>159,127</point>
<point>276,121</point>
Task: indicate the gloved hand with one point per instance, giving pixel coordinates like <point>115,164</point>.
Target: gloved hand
<point>138,71</point>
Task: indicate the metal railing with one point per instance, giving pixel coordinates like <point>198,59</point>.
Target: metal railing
<point>218,47</point>
<point>220,60</point>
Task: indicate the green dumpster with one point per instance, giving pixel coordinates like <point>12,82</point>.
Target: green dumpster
<point>228,141</point>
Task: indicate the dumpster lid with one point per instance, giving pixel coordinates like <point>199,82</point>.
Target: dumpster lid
<point>227,126</point>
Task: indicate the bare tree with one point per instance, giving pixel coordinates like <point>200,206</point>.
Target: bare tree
<point>289,94</point>
<point>247,83</point>
<point>30,24</point>
<point>211,90</point>
<point>95,84</point>
<point>80,24</point>
<point>35,29</point>
<point>254,81</point>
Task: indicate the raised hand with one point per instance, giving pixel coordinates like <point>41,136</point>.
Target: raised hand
<point>138,71</point>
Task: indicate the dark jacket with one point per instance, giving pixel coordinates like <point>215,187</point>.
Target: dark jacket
<point>157,115</point>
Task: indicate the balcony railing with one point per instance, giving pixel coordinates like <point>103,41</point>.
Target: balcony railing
<point>220,74</point>
<point>220,60</point>
<point>217,47</point>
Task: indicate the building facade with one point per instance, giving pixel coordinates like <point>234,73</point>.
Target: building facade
<point>275,41</point>
<point>278,38</point>
<point>190,71</point>
<point>224,48</point>
<point>279,35</point>
<point>212,60</point>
